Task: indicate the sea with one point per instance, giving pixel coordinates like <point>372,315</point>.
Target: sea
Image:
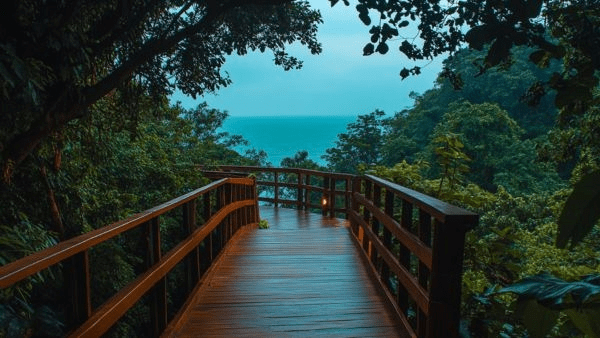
<point>284,136</point>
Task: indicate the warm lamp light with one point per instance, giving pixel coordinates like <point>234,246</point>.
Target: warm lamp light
<point>324,201</point>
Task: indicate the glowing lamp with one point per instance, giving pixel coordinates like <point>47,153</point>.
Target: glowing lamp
<point>324,201</point>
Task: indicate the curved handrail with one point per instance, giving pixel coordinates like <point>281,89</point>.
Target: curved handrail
<point>235,197</point>
<point>107,314</point>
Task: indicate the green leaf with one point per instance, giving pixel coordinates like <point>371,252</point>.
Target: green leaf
<point>404,73</point>
<point>554,292</point>
<point>581,211</point>
<point>368,49</point>
<point>382,48</point>
<point>586,320</point>
<point>538,319</point>
<point>478,36</point>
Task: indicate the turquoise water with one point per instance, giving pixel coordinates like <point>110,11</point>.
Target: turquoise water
<point>283,136</point>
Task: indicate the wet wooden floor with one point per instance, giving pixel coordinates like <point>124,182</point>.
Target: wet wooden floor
<point>302,277</point>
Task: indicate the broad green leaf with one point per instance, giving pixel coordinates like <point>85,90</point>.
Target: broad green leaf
<point>586,320</point>
<point>538,319</point>
<point>554,292</point>
<point>581,211</point>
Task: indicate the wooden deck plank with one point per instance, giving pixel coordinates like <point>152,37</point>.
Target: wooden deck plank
<point>302,277</point>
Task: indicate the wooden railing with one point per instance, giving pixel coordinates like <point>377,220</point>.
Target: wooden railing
<point>413,243</point>
<point>304,189</point>
<point>224,206</point>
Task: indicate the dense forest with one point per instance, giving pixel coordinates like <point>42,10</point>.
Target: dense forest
<point>510,130</point>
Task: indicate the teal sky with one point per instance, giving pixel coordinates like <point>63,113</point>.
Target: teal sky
<point>339,81</point>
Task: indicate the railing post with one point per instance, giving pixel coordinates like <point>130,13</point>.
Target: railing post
<point>423,271</point>
<point>446,270</point>
<point>347,196</point>
<point>404,254</point>
<point>76,273</point>
<point>332,197</point>
<point>387,235</point>
<point>325,198</point>
<point>193,259</point>
<point>367,217</point>
<point>158,294</point>
<point>300,190</point>
<point>355,190</point>
<point>307,197</point>
<point>255,212</point>
<point>276,187</point>
<point>229,197</point>
<point>207,250</point>
<point>375,225</point>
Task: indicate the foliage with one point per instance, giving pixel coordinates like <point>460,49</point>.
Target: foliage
<point>450,158</point>
<point>498,26</point>
<point>362,144</point>
<point>581,211</point>
<point>102,169</point>
<point>19,311</point>
<point>543,296</point>
<point>57,60</point>
<point>263,224</point>
<point>300,160</point>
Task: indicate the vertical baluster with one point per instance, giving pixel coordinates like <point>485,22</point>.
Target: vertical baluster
<point>375,226</point>
<point>307,197</point>
<point>255,208</point>
<point>192,264</point>
<point>347,197</point>
<point>76,273</point>
<point>299,190</point>
<point>387,235</point>
<point>325,199</point>
<point>276,180</point>
<point>238,212</point>
<point>404,254</point>
<point>158,294</point>
<point>355,207</point>
<point>206,214</point>
<point>332,196</point>
<point>367,216</point>
<point>423,272</point>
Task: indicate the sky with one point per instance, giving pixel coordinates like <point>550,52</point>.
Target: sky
<point>339,81</point>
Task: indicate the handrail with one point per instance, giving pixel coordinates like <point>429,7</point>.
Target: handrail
<point>415,246</point>
<point>412,242</point>
<point>236,202</point>
<point>313,189</point>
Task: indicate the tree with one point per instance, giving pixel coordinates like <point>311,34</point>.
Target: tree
<point>362,144</point>
<point>58,59</point>
<point>300,160</point>
<point>498,26</point>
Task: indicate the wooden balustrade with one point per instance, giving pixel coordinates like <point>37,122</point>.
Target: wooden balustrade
<point>293,187</point>
<point>413,242</point>
<point>227,204</point>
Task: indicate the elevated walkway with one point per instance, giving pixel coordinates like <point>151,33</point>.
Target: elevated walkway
<point>302,277</point>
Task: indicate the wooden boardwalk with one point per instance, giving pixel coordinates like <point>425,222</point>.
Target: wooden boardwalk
<point>302,277</point>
